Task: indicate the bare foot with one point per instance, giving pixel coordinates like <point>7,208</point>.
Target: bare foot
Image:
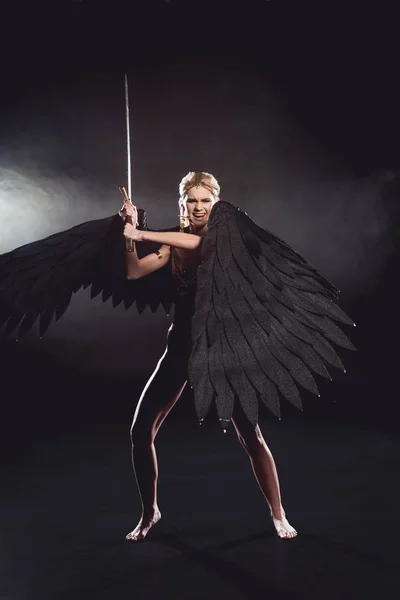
<point>143,527</point>
<point>283,527</point>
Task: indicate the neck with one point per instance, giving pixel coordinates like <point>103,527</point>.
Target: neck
<point>202,230</point>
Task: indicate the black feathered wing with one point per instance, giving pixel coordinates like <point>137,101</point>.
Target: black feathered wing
<point>263,320</point>
<point>37,280</point>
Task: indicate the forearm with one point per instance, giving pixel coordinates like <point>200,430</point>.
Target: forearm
<point>186,241</point>
<point>132,263</point>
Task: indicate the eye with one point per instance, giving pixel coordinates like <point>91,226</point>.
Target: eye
<point>192,200</point>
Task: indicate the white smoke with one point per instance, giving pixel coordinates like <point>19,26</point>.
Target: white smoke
<point>231,127</point>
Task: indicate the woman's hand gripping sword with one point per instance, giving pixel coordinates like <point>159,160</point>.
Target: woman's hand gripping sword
<point>128,212</point>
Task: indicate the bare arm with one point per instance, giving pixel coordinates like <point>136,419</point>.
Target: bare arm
<point>139,267</point>
<point>186,241</point>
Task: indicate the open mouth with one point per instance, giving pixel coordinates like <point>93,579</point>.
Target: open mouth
<point>199,216</point>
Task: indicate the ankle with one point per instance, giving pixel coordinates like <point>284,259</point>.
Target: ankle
<point>278,514</point>
<point>151,512</point>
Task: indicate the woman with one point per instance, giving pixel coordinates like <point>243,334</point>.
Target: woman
<point>252,317</point>
<point>198,194</point>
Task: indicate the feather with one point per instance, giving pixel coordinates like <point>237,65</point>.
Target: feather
<point>39,279</point>
<point>27,322</point>
<point>203,395</point>
<point>262,323</point>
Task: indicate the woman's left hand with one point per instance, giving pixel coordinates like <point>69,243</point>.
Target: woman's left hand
<point>131,233</point>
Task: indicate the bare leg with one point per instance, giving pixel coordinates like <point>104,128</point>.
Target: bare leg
<point>264,469</point>
<point>157,399</point>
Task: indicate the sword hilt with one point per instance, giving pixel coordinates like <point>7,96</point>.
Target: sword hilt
<point>128,243</point>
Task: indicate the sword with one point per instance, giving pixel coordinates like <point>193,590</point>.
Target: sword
<point>128,194</point>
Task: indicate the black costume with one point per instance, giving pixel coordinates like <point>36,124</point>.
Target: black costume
<point>254,321</point>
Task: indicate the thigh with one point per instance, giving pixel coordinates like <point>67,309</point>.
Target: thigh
<point>162,390</point>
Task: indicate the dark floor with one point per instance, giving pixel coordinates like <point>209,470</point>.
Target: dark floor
<point>67,505</point>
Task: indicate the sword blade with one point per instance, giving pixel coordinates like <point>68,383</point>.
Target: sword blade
<point>128,139</point>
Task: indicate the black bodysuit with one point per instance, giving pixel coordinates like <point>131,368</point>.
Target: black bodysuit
<point>179,334</point>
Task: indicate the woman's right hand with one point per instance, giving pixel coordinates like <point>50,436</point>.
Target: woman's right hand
<point>128,210</point>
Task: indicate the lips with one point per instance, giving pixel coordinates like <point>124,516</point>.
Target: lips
<point>198,216</point>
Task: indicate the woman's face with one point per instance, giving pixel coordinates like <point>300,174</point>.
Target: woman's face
<point>199,203</point>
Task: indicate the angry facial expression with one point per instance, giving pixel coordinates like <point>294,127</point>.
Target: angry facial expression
<point>199,202</point>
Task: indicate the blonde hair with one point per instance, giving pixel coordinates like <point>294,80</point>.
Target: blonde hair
<point>192,179</point>
<point>197,178</point>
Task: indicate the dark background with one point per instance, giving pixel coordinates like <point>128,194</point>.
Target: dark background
<point>292,105</point>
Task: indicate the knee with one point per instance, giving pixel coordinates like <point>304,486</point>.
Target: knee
<point>141,435</point>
